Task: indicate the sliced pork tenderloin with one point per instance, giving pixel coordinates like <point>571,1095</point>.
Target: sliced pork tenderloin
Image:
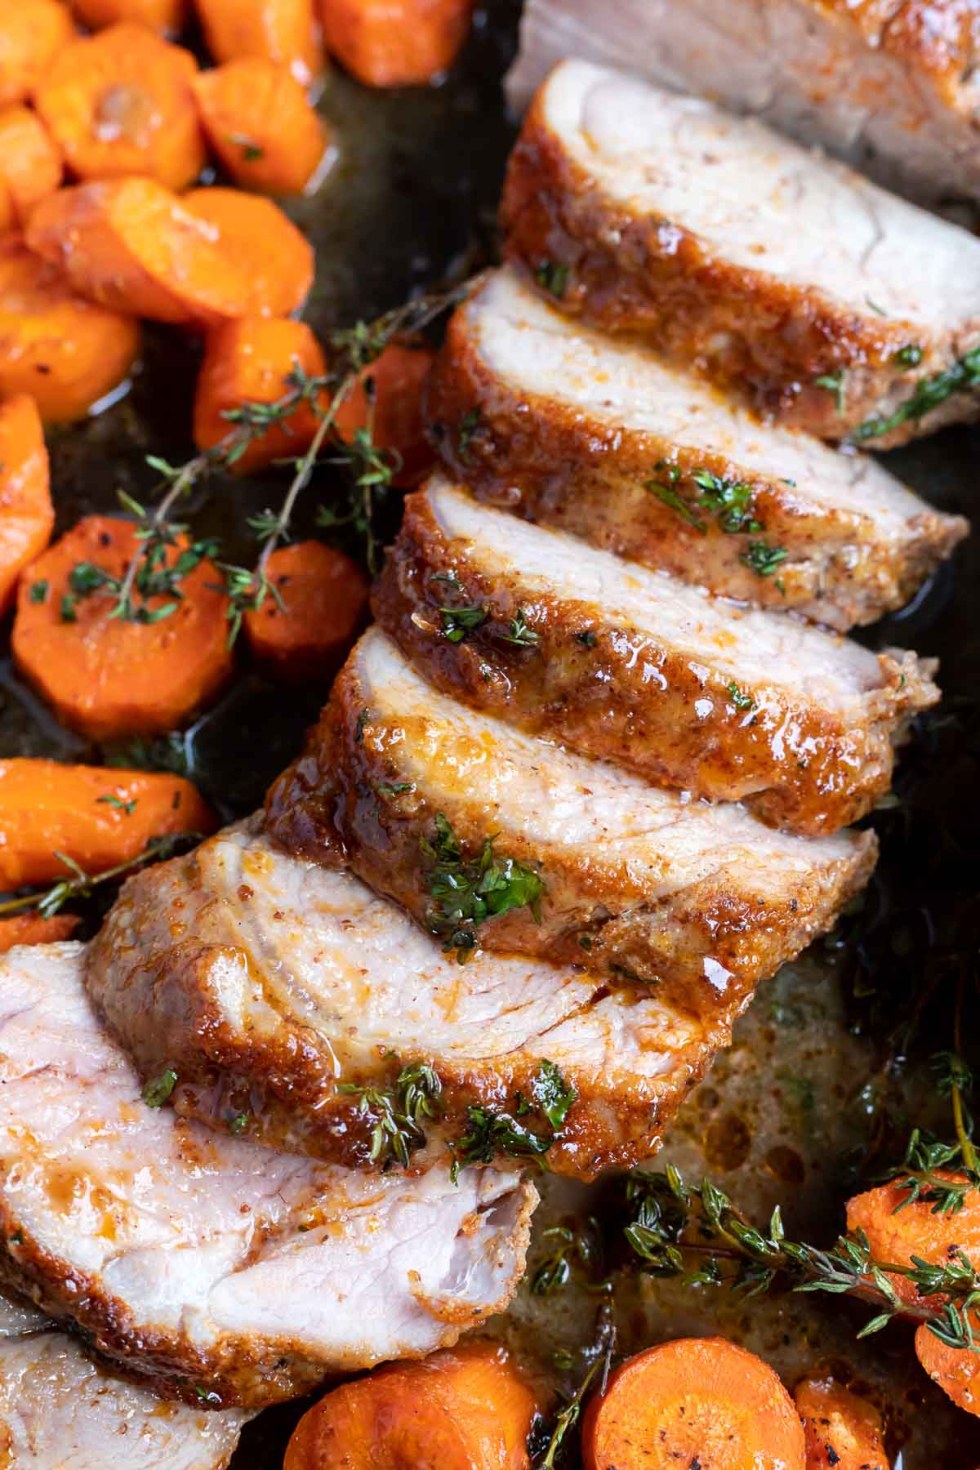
<point>288,994</point>
<point>491,837</point>
<point>636,667</point>
<point>596,436</point>
<point>215,1268</point>
<point>827,303</point>
<point>892,88</point>
<point>59,1410</point>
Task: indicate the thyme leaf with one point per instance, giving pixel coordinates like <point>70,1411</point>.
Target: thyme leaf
<point>465,891</point>
<point>398,1114</point>
<point>928,394</point>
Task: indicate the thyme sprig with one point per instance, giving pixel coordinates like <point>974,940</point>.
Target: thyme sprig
<point>598,1359</point>
<point>729,502</point>
<point>370,469</point>
<point>398,1114</point>
<point>80,884</point>
<point>675,1224</point>
<point>493,1131</point>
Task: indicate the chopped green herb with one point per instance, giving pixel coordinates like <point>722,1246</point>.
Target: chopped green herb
<point>251,151</point>
<point>362,719</point>
<point>928,394</point>
<point>909,356</point>
<point>394,788</point>
<point>110,799</point>
<point>835,383</point>
<point>458,621</point>
<point>491,1133</point>
<point>730,502</point>
<point>238,1123</point>
<point>519,633</point>
<point>552,277</point>
<point>158,1089</point>
<point>762,558</point>
<point>38,591</point>
<point>551,1094</point>
<point>468,426</point>
<point>739,698</point>
<point>467,891</point>
<point>68,606</point>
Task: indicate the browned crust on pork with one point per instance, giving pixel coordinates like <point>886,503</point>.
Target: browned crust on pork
<point>764,339</point>
<point>157,993</point>
<point>797,765</point>
<point>548,463</point>
<point>937,41</point>
<point>251,1371</point>
<point>588,914</point>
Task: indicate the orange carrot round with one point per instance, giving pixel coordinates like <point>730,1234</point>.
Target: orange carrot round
<point>389,399</point>
<point>94,816</point>
<point>467,1409</point>
<point>841,1429</point>
<point>66,352</point>
<point>897,1229</point>
<point>110,676</point>
<point>32,32</point>
<point>121,103</point>
<point>166,17</point>
<point>26,512</point>
<point>304,629</point>
<point>33,929</point>
<point>133,245</point>
<point>693,1401</point>
<point>30,159</point>
<point>251,361</point>
<point>395,43</point>
<point>260,124</point>
<point>283,31</point>
<point>263,244</point>
<point>955,1370</point>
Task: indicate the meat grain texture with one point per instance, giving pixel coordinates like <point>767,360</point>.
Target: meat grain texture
<point>596,436</point>
<point>791,281</point>
<point>892,88</point>
<point>638,882</point>
<point>638,668</point>
<point>194,1258</point>
<point>285,988</point>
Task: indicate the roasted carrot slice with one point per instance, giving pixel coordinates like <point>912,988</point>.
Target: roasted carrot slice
<point>284,31</point>
<point>697,1400</point>
<point>468,1409</point>
<point>956,1370</point>
<point>30,159</point>
<point>898,1229</point>
<point>252,361</point>
<point>108,676</point>
<point>264,245</point>
<point>33,929</point>
<point>166,17</point>
<point>304,629</point>
<point>133,245</point>
<point>66,352</point>
<point>388,399</point>
<point>32,32</point>
<point>122,102</point>
<point>395,43</point>
<point>841,1428</point>
<point>91,815</point>
<point>26,512</point>
<point>260,124</point>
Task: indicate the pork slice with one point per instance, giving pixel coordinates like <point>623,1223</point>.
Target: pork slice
<point>288,995</point>
<point>438,805</point>
<point>787,278</point>
<point>894,88</point>
<point>59,1410</point>
<point>596,436</point>
<point>636,667</point>
<point>213,1267</point>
